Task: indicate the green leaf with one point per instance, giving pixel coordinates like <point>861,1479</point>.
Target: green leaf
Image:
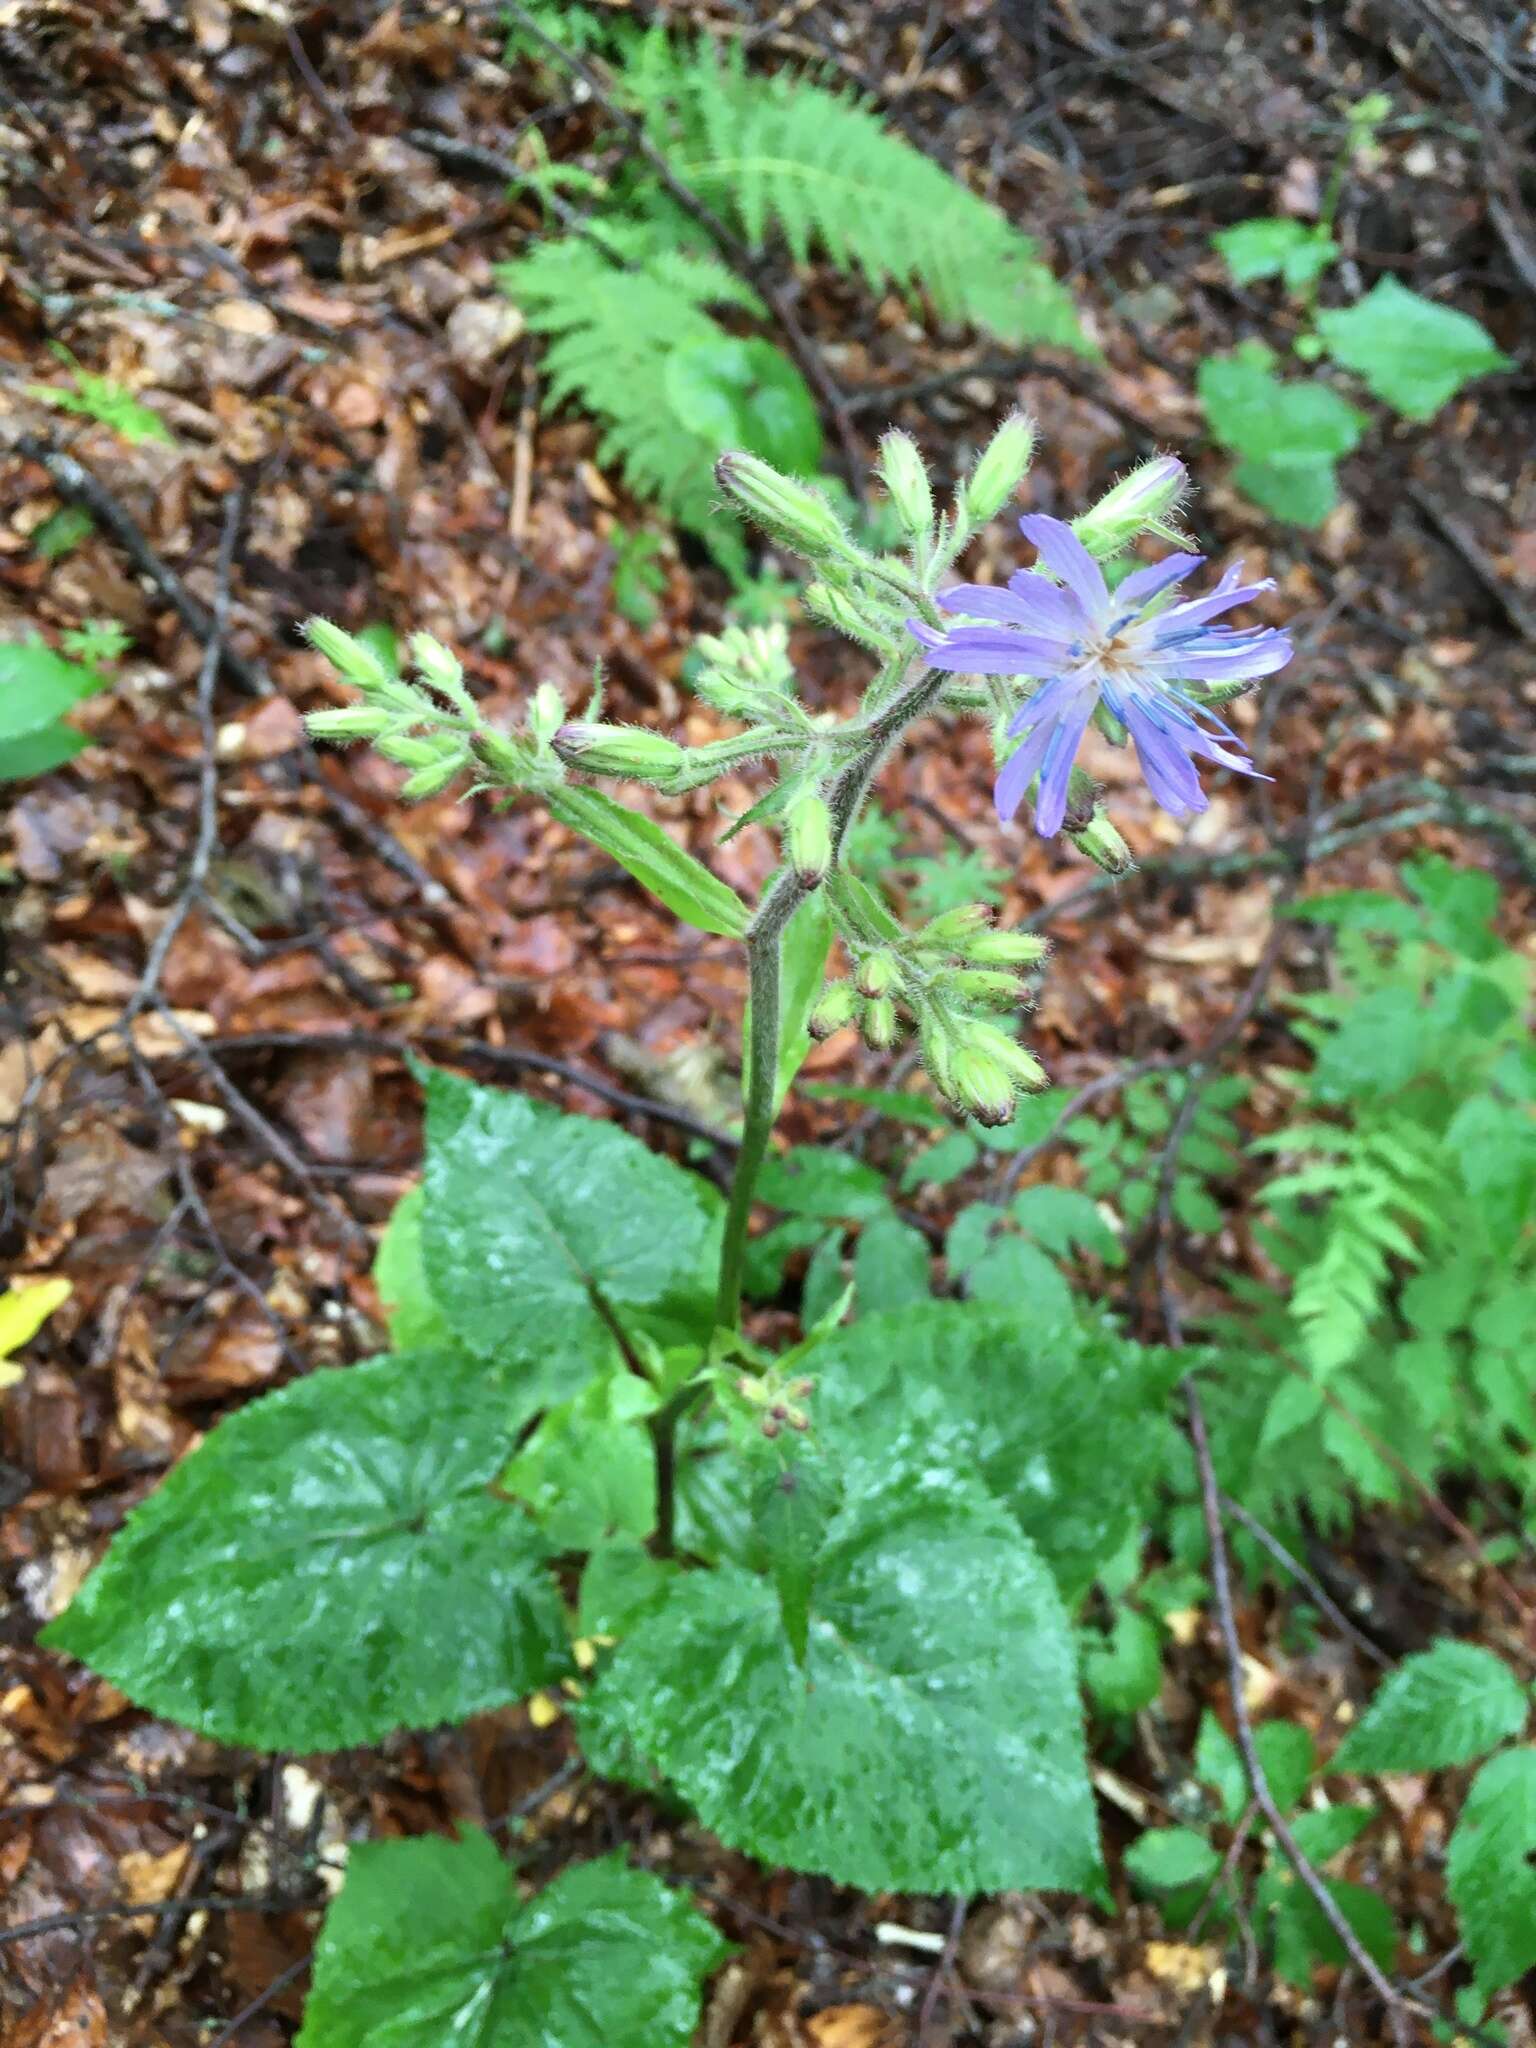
<point>1289,435</point>
<point>1064,1220</point>
<point>931,1741</point>
<point>1412,353</point>
<point>825,1284</point>
<point>589,1470</point>
<point>1171,1859</point>
<point>1218,1764</point>
<point>1013,1271</point>
<point>1124,1672</point>
<point>37,687</point>
<point>802,972</point>
<point>746,394</point>
<point>943,1162</point>
<point>1063,1421</point>
<point>429,1942</point>
<point>900,1108</point>
<point>331,1564</point>
<point>1325,1832</point>
<point>101,398</point>
<point>619,1581</point>
<point>657,862</point>
<point>542,1231</point>
<point>1254,249</point>
<point>38,753</point>
<point>891,1267</point>
<point>1446,1706</point>
<point>1491,1870</point>
<point>811,1180</point>
<point>412,1317</point>
<point>1302,1936</point>
<point>1287,1754</point>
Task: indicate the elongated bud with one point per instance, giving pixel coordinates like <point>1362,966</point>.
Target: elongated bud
<point>789,511</point>
<point>906,479</point>
<point>1012,1057</point>
<point>1000,470</point>
<point>1144,499</point>
<point>955,931</point>
<point>545,714</point>
<point>878,974</point>
<point>938,1050</point>
<point>413,750</point>
<point>351,658</point>
<point>502,756</point>
<point>628,751</point>
<point>356,722</point>
<point>440,669</point>
<point>835,608</point>
<point>985,985</point>
<point>430,780</point>
<point>836,1008</point>
<point>983,1086</point>
<point>1101,842</point>
<point>1006,949</point>
<point>880,1024</point>
<point>809,837</point>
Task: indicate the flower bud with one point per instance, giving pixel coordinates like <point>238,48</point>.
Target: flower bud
<point>441,671</point>
<point>545,713</point>
<point>1101,842</point>
<point>435,776</point>
<point>789,511</point>
<point>835,608</point>
<point>955,931</point>
<point>985,986</point>
<point>411,750</point>
<point>1000,470</point>
<point>939,1058</point>
<point>836,1008</point>
<point>808,835</point>
<point>630,752</point>
<point>1146,497</point>
<point>502,756</point>
<point>355,722</point>
<point>880,1024</point>
<point>1006,949</point>
<point>983,1086</point>
<point>878,973</point>
<point>351,658</point>
<point>906,479</point>
<point>995,1043</point>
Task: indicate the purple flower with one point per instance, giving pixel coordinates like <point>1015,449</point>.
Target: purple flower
<point>1125,648</point>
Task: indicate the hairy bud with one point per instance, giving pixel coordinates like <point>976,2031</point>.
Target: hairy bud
<point>1101,842</point>
<point>440,670</point>
<point>986,986</point>
<point>878,973</point>
<point>630,752</point>
<point>1147,497</point>
<point>1012,1057</point>
<point>955,931</point>
<point>545,714</point>
<point>835,608</point>
<point>983,1087</point>
<point>906,479</point>
<point>349,657</point>
<point>356,722</point>
<point>429,781</point>
<point>835,1009</point>
<point>789,511</point>
<point>1000,470</point>
<point>503,757</point>
<point>880,1024</point>
<point>808,835</point>
<point>1005,949</point>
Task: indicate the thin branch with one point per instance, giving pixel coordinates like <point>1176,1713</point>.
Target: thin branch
<point>1289,1562</point>
<point>125,1909</point>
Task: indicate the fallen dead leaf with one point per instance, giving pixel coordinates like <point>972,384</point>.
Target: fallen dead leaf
<point>147,1879</point>
<point>1187,1968</point>
<point>853,2026</point>
<point>77,2020</point>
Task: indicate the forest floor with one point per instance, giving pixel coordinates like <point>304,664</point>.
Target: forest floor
<point>202,1061</point>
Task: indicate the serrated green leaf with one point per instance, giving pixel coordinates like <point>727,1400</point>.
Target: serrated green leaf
<point>657,862</point>
<point>540,1231</point>
<point>1301,1934</point>
<point>1218,1764</point>
<point>1412,353</point>
<point>1287,434</point>
<point>1448,1705</point>
<point>37,687</point>
<point>891,1266</point>
<point>40,752</point>
<point>1286,1752</point>
<point>429,1943</point>
<point>619,1581</point>
<point>588,1472</point>
<point>413,1318</point>
<point>931,1740</point>
<point>1012,1271</point>
<point>1491,1870</point>
<point>1171,1860</point>
<point>1063,1220</point>
<point>1325,1832</point>
<point>1124,1671</point>
<point>1043,1411</point>
<point>331,1564</point>
<point>1289,249</point>
<point>745,393</point>
<point>812,1180</point>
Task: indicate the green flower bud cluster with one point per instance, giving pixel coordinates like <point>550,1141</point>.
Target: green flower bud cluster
<point>776,1401</point>
<point>430,723</point>
<point>747,672</point>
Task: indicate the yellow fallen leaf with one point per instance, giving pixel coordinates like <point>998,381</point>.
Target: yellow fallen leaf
<point>24,1309</point>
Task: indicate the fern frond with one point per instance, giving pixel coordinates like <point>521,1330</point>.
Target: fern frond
<point>616,310</point>
<point>781,155</point>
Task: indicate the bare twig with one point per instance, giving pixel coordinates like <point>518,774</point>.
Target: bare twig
<point>1289,1562</point>
<point>260,2002</point>
<point>126,1909</point>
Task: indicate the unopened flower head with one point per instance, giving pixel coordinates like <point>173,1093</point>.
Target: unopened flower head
<point>1126,649</point>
